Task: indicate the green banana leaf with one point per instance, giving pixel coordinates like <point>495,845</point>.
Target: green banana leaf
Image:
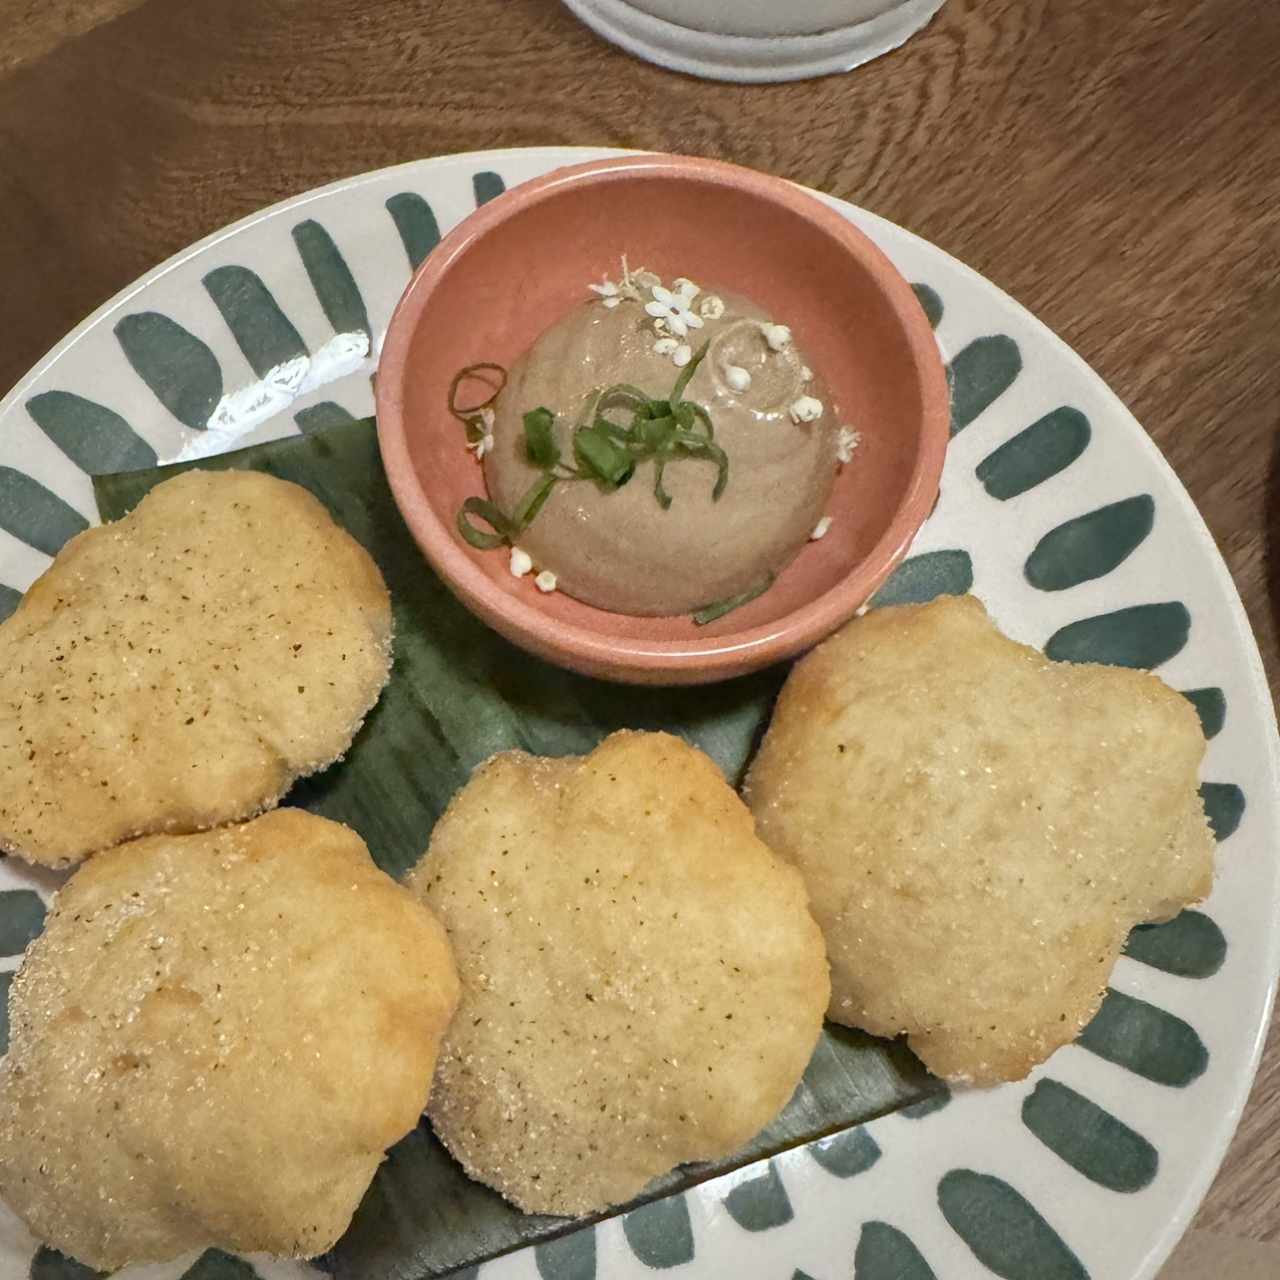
<point>457,694</point>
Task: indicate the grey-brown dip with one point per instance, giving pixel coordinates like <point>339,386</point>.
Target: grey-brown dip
<point>620,550</point>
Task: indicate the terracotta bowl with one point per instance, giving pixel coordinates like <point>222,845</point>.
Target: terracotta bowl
<point>524,260</point>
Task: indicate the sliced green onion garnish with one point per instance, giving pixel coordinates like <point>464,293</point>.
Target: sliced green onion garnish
<point>473,371</point>
<point>603,456</point>
<point>628,391</point>
<point>717,609</point>
<point>605,451</point>
<point>663,497</point>
<point>700,447</point>
<point>492,515</point>
<point>722,474</point>
<point>657,433</point>
<point>677,392</point>
<point>590,409</point>
<point>539,438</point>
<point>612,430</point>
<point>702,416</point>
<point>529,506</point>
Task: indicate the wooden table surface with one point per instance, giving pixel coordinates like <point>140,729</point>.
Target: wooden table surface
<point>1113,164</point>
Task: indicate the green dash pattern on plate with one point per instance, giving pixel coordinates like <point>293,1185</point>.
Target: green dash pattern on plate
<point>979,374</point>
<point>1036,454</point>
<point>181,371</point>
<point>21,919</point>
<point>1224,806</point>
<point>1189,946</point>
<point>213,1264</point>
<point>319,417</point>
<point>1089,1138</point>
<point>34,514</point>
<point>262,331</point>
<point>760,1203</point>
<point>331,278</point>
<point>95,438</point>
<point>846,1154</point>
<point>1142,636</point>
<point>9,599</point>
<point>926,1107</point>
<point>487,185</point>
<point>1091,545</point>
<point>885,1253</point>
<point>925,577</point>
<point>1002,1229</point>
<point>571,1257</point>
<point>930,302</point>
<point>1146,1040</point>
<point>660,1233</point>
<point>49,1264</point>
<point>1211,707</point>
<point>416,225</point>
<point>6,981</point>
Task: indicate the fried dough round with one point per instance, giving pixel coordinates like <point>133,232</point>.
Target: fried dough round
<point>642,982</point>
<point>180,668</point>
<point>979,829</point>
<point>215,1040</point>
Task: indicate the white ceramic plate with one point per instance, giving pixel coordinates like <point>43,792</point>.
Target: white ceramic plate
<point>1056,506</point>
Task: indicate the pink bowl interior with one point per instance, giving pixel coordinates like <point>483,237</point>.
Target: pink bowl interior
<point>491,288</point>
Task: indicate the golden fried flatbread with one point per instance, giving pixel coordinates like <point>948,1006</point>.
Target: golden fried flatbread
<point>181,667</point>
<point>643,984</point>
<point>214,1041</point>
<point>979,829</point>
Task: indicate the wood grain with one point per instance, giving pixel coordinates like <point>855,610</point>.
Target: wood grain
<point>1114,164</point>
<point>35,27</point>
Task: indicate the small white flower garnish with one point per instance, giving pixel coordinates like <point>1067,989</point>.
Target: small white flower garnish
<point>609,293</point>
<point>485,443</point>
<point>806,374</point>
<point>846,442</point>
<point>737,378</point>
<point>521,562</point>
<point>674,309</point>
<point>711,307</point>
<point>778,336</point>
<point>545,581</point>
<point>820,529</point>
<point>666,346</point>
<point>626,289</point>
<point>806,409</point>
<point>682,355</point>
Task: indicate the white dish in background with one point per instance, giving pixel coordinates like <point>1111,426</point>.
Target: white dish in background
<point>756,41</point>
<point>768,17</point>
